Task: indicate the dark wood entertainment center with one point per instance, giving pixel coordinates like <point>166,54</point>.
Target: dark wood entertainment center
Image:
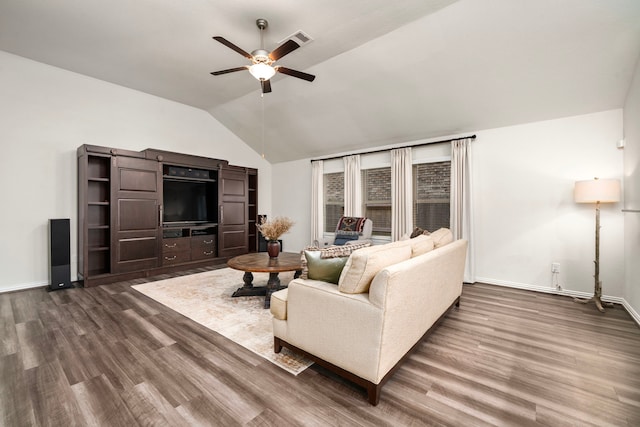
<point>151,212</point>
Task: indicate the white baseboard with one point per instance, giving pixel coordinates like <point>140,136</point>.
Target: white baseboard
<point>23,286</point>
<point>565,292</point>
<point>632,312</point>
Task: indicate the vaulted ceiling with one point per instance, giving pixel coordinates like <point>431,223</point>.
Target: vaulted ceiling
<point>387,72</point>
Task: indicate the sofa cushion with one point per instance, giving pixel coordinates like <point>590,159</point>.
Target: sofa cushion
<point>365,263</point>
<point>441,237</point>
<point>329,252</point>
<point>421,245</point>
<point>325,269</point>
<point>279,304</point>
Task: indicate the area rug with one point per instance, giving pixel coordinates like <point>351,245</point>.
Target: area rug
<point>206,298</point>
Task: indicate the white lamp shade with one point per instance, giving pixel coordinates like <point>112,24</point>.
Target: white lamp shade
<point>262,71</point>
<point>597,190</point>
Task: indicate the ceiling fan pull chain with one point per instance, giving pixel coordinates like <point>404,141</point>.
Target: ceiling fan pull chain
<point>262,101</point>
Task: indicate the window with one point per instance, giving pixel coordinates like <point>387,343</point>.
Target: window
<point>376,198</point>
<point>333,200</point>
<point>431,195</point>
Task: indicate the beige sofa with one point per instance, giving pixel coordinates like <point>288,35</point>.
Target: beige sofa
<point>364,327</point>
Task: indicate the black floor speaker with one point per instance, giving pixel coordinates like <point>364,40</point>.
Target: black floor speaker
<point>59,254</point>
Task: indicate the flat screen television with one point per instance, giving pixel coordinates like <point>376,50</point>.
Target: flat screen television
<point>190,202</point>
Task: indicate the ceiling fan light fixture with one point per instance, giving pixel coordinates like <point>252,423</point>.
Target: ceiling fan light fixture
<point>262,60</point>
<point>262,71</point>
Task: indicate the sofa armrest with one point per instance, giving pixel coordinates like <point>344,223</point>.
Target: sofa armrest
<point>414,294</point>
<point>342,329</point>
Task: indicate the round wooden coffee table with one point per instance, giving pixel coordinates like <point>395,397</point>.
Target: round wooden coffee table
<point>260,262</point>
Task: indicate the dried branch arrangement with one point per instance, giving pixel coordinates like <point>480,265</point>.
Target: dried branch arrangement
<point>274,228</point>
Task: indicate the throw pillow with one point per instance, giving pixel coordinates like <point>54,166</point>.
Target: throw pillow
<point>329,252</point>
<point>418,232</point>
<point>327,269</point>
<point>364,264</point>
<point>345,250</point>
<point>344,237</point>
<point>347,223</point>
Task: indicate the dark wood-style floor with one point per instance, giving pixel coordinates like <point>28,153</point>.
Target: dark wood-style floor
<point>109,356</point>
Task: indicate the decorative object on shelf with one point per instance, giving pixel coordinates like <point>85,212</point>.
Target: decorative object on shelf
<point>272,230</point>
<point>597,191</point>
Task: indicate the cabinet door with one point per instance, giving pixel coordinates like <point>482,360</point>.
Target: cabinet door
<point>137,195</point>
<point>233,228</point>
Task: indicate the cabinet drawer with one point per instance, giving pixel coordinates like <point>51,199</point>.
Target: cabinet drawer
<point>203,253</point>
<point>206,243</point>
<point>175,245</point>
<point>169,258</point>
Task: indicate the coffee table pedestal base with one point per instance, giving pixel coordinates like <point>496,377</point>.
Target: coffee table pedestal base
<point>248,290</point>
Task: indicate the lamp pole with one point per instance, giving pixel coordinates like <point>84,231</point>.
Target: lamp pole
<point>597,294</point>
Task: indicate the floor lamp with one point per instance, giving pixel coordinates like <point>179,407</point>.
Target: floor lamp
<point>597,191</point>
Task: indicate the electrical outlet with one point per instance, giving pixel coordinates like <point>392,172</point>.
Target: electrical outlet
<point>555,267</point>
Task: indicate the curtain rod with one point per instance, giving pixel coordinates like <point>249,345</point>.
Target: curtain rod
<point>406,146</point>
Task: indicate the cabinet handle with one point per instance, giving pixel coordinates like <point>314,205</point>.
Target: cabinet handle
<point>208,253</point>
<point>221,214</point>
<point>207,242</point>
<point>170,258</point>
<point>166,245</point>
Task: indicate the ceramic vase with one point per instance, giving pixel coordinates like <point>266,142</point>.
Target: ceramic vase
<point>273,248</point>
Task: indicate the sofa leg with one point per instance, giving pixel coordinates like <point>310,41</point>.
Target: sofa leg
<point>373,393</point>
<point>277,346</point>
<point>458,302</point>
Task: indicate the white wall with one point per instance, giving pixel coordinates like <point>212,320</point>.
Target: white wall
<point>45,114</point>
<point>292,198</point>
<point>632,193</point>
<point>525,215</point>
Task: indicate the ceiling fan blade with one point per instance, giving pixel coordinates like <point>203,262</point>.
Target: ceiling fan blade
<point>266,86</point>
<point>230,70</point>
<point>230,45</point>
<point>283,50</point>
<point>295,73</point>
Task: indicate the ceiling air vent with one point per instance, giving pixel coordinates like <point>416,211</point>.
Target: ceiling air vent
<point>299,37</point>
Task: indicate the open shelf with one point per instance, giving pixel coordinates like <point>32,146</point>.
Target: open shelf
<point>98,168</point>
<point>95,198</point>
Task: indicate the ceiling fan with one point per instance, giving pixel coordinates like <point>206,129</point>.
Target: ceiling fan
<point>262,61</point>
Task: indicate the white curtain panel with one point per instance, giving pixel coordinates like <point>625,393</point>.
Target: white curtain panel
<point>352,186</point>
<point>461,200</point>
<point>401,193</point>
<point>317,200</point>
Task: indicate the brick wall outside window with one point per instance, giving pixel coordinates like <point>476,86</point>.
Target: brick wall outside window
<point>376,198</point>
<point>333,200</point>
<point>431,195</point>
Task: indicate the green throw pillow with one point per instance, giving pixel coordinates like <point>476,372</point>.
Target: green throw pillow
<point>327,269</point>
